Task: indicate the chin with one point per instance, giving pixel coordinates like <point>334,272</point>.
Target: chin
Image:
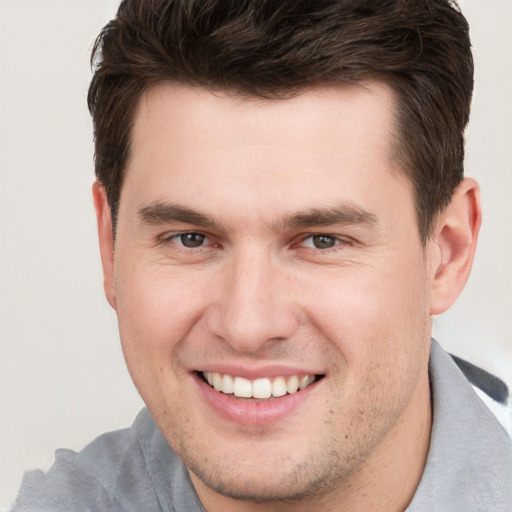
<point>277,480</point>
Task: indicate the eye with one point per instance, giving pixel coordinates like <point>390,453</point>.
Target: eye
<point>190,240</point>
<point>320,241</point>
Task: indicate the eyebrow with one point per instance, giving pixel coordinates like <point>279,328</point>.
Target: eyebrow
<point>344,214</point>
<point>165,213</point>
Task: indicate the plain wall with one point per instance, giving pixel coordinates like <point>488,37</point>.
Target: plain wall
<point>62,376</point>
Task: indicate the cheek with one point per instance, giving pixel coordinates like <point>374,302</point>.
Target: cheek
<point>158,306</point>
<point>373,314</point>
<point>155,313</point>
<point>379,330</point>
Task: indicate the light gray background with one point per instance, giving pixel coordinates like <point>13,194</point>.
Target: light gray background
<point>62,375</point>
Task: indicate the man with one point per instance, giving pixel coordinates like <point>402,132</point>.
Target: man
<point>281,211</point>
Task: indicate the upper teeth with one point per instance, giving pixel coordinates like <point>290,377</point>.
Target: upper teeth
<point>259,388</point>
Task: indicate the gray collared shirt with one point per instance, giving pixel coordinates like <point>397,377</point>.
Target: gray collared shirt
<point>469,465</point>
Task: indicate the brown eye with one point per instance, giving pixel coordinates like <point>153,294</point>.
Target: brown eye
<point>191,240</point>
<point>323,241</point>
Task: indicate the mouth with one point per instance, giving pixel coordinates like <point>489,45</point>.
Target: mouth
<point>258,389</point>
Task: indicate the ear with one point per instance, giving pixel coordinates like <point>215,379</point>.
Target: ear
<point>106,239</point>
<point>454,244</point>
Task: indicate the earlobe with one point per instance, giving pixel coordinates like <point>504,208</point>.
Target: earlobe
<point>454,244</point>
<point>106,240</point>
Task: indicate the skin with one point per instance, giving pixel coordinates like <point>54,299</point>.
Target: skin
<point>246,175</point>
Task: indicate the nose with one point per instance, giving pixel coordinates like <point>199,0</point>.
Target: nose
<point>254,306</point>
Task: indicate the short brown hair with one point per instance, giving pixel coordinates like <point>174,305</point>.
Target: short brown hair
<point>278,48</point>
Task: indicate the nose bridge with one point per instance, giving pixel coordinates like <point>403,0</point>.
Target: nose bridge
<point>253,306</point>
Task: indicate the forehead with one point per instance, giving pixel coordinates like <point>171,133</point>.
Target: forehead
<point>185,111</point>
<point>323,146</point>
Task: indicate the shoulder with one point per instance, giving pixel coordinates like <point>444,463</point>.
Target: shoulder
<point>469,465</point>
<point>100,477</point>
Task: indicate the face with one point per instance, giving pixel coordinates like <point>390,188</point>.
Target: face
<point>271,248</point>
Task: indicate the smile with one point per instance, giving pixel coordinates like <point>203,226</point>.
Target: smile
<point>262,388</point>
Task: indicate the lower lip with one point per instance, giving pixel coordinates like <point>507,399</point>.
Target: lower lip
<point>245,412</point>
